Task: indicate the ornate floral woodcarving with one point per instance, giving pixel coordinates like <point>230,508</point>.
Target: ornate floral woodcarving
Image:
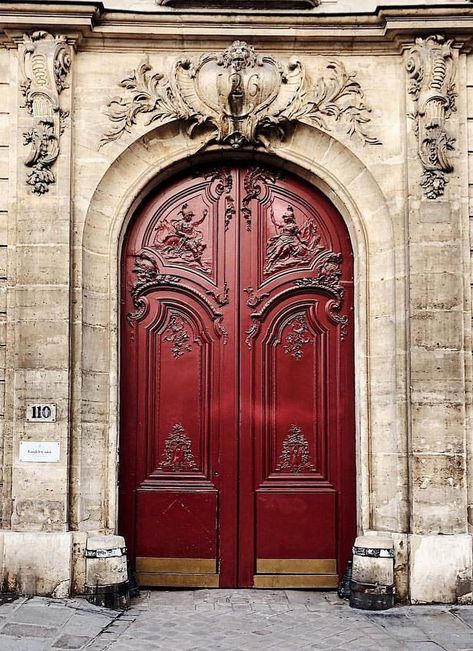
<point>256,184</point>
<point>251,333</point>
<point>180,240</point>
<point>177,454</point>
<point>254,299</point>
<point>242,96</point>
<point>46,62</point>
<point>327,279</point>
<point>220,298</point>
<point>431,69</point>
<point>178,336</point>
<point>295,454</point>
<point>221,329</point>
<point>147,278</point>
<point>291,245</point>
<point>221,182</point>
<point>298,337</point>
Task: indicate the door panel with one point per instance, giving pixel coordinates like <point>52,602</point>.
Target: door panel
<point>237,436</point>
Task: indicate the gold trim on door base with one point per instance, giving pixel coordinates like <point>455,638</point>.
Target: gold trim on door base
<point>181,565</point>
<point>296,566</point>
<point>295,580</point>
<point>168,580</point>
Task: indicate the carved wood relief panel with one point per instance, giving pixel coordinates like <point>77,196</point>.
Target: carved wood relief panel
<point>237,293</point>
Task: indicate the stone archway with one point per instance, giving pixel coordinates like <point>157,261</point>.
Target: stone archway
<point>330,166</point>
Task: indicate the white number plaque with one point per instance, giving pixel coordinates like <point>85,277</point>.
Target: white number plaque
<point>39,412</point>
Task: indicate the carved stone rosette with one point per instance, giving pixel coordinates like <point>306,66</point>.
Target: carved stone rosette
<point>46,61</point>
<point>241,96</point>
<point>431,69</point>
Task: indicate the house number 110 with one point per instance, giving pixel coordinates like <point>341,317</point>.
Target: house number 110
<point>41,413</point>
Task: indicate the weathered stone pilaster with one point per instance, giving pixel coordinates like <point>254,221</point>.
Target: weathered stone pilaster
<point>40,289</point>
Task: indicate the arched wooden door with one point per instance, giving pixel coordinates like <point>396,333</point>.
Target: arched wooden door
<point>237,455</point>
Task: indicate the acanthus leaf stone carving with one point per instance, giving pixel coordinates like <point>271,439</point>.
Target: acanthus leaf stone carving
<point>431,69</point>
<point>241,96</point>
<point>46,61</point>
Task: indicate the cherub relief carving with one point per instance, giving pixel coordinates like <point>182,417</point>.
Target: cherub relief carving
<point>181,240</point>
<point>292,244</point>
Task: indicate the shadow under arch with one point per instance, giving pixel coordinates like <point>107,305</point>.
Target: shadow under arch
<point>333,168</point>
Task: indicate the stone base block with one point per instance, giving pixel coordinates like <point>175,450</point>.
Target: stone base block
<point>37,563</point>
<point>440,568</point>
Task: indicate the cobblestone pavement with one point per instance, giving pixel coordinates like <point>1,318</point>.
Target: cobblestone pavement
<point>231,620</point>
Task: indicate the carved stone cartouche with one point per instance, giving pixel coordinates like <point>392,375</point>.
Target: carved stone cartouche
<point>46,61</point>
<point>241,96</point>
<point>431,69</point>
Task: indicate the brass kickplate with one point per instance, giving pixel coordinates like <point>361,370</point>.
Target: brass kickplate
<point>180,565</point>
<point>296,566</point>
<point>168,580</point>
<point>295,581</point>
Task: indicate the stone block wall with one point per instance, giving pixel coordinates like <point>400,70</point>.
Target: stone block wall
<point>61,283</point>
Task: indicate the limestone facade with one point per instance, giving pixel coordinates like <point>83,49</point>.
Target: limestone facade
<point>406,201</point>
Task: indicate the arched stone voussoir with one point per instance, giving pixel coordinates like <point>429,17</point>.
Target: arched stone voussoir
<point>323,161</point>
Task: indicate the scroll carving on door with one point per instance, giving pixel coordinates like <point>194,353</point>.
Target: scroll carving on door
<point>237,426</point>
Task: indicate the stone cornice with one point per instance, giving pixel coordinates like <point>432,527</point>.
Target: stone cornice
<point>387,29</point>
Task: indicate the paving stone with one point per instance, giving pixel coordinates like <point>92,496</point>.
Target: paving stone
<point>37,614</point>
<point>28,630</point>
<point>67,641</point>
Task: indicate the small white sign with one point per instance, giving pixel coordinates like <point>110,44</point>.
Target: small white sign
<point>40,412</point>
<point>39,451</point>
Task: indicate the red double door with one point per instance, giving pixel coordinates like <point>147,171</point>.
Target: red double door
<point>237,462</point>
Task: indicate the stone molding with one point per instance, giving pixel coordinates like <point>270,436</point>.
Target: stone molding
<point>45,62</point>
<point>244,98</point>
<point>431,69</point>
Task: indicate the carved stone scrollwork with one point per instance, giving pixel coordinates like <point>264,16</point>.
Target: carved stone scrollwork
<point>328,280</point>
<point>46,63</point>
<point>177,454</point>
<point>147,278</point>
<point>242,96</point>
<point>295,454</point>
<point>431,69</point>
